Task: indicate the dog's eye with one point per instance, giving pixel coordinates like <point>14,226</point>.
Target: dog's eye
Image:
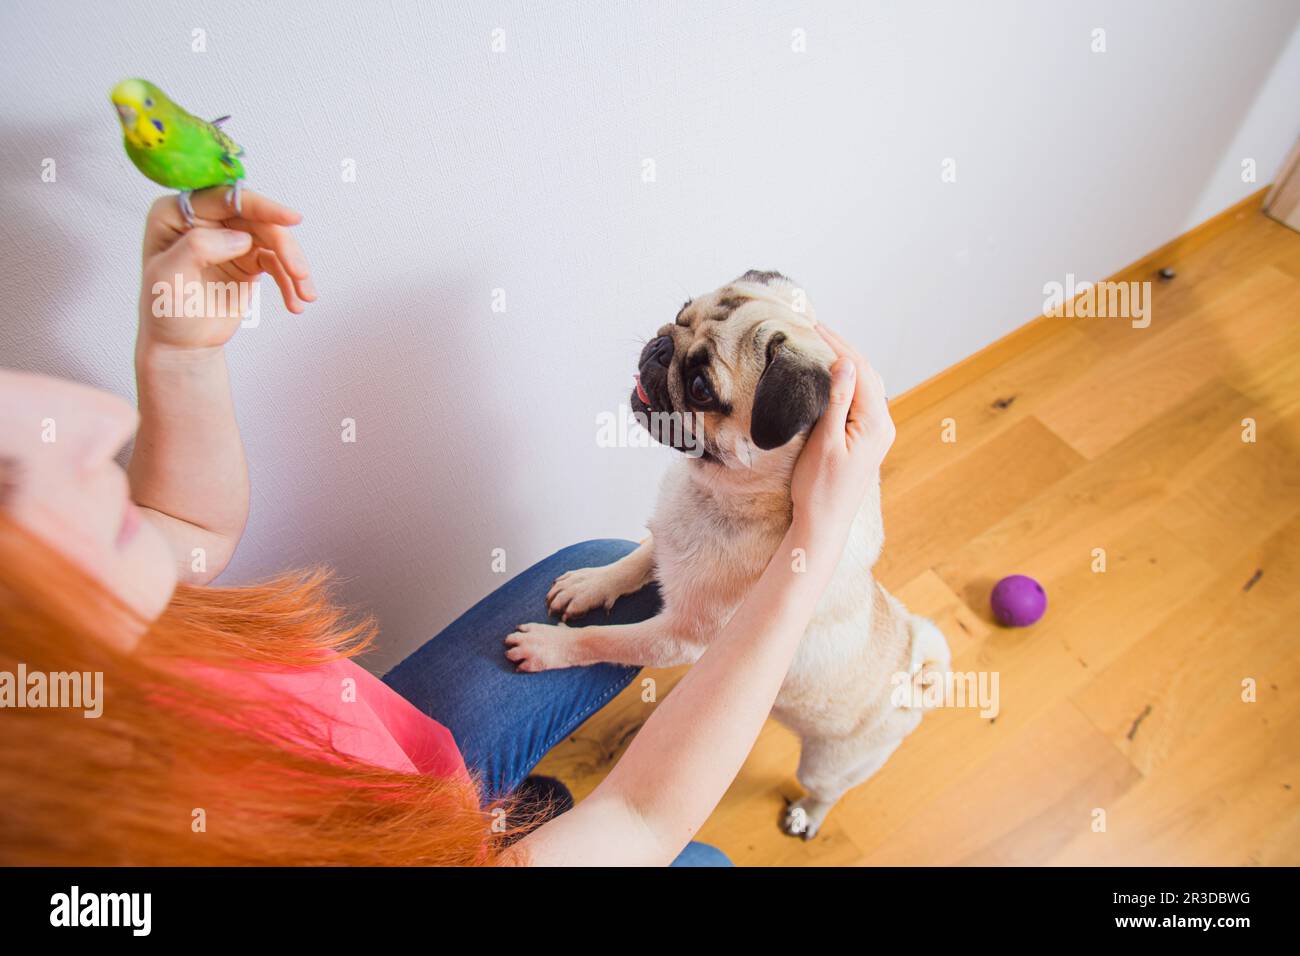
<point>700,392</point>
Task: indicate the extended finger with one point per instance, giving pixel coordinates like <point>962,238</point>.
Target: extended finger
<point>272,266</point>
<point>282,242</point>
<point>869,389</point>
<point>843,387</point>
<point>830,338</point>
<point>214,203</point>
<point>839,344</point>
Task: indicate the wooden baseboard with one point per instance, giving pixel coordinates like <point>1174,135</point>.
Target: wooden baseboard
<point>949,380</point>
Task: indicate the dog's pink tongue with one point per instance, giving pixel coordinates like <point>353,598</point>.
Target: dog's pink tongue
<point>640,392</point>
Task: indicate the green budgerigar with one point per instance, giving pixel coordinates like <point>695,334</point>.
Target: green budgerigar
<point>174,148</point>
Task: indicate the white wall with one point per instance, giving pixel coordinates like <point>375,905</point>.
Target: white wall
<point>522,170</point>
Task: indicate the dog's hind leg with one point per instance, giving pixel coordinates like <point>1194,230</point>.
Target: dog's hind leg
<point>829,768</point>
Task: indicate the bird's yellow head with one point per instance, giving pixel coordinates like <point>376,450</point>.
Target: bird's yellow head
<point>141,107</point>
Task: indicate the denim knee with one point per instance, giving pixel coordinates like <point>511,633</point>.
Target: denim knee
<point>701,854</point>
<point>592,553</point>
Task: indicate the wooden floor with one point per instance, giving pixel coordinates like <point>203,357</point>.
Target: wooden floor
<point>1127,698</point>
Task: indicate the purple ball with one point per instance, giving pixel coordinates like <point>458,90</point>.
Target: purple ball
<point>1018,601</point>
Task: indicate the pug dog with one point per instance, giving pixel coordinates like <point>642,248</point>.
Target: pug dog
<point>735,382</point>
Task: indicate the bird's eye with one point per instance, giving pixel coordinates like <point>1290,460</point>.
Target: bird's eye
<point>148,101</point>
<point>700,391</point>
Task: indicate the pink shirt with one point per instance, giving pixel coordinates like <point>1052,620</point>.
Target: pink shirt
<point>365,718</point>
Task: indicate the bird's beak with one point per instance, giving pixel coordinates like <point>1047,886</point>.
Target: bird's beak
<point>126,113</point>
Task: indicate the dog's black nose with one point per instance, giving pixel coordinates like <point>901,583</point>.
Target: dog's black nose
<point>661,350</point>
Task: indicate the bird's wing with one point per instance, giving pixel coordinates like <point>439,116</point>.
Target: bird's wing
<point>229,145</point>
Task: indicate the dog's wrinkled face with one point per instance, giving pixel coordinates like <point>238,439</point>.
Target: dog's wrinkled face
<point>739,373</point>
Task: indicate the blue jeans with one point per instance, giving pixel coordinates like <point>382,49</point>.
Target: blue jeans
<point>504,722</point>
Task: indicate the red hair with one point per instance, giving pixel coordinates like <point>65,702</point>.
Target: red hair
<point>127,788</point>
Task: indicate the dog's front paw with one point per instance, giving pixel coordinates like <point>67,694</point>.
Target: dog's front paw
<point>541,647</point>
<point>574,593</point>
<point>803,818</point>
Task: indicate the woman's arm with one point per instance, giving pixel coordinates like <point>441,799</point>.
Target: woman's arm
<point>188,472</point>
<point>679,766</point>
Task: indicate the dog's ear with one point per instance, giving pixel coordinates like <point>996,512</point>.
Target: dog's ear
<point>762,276</point>
<point>791,395</point>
